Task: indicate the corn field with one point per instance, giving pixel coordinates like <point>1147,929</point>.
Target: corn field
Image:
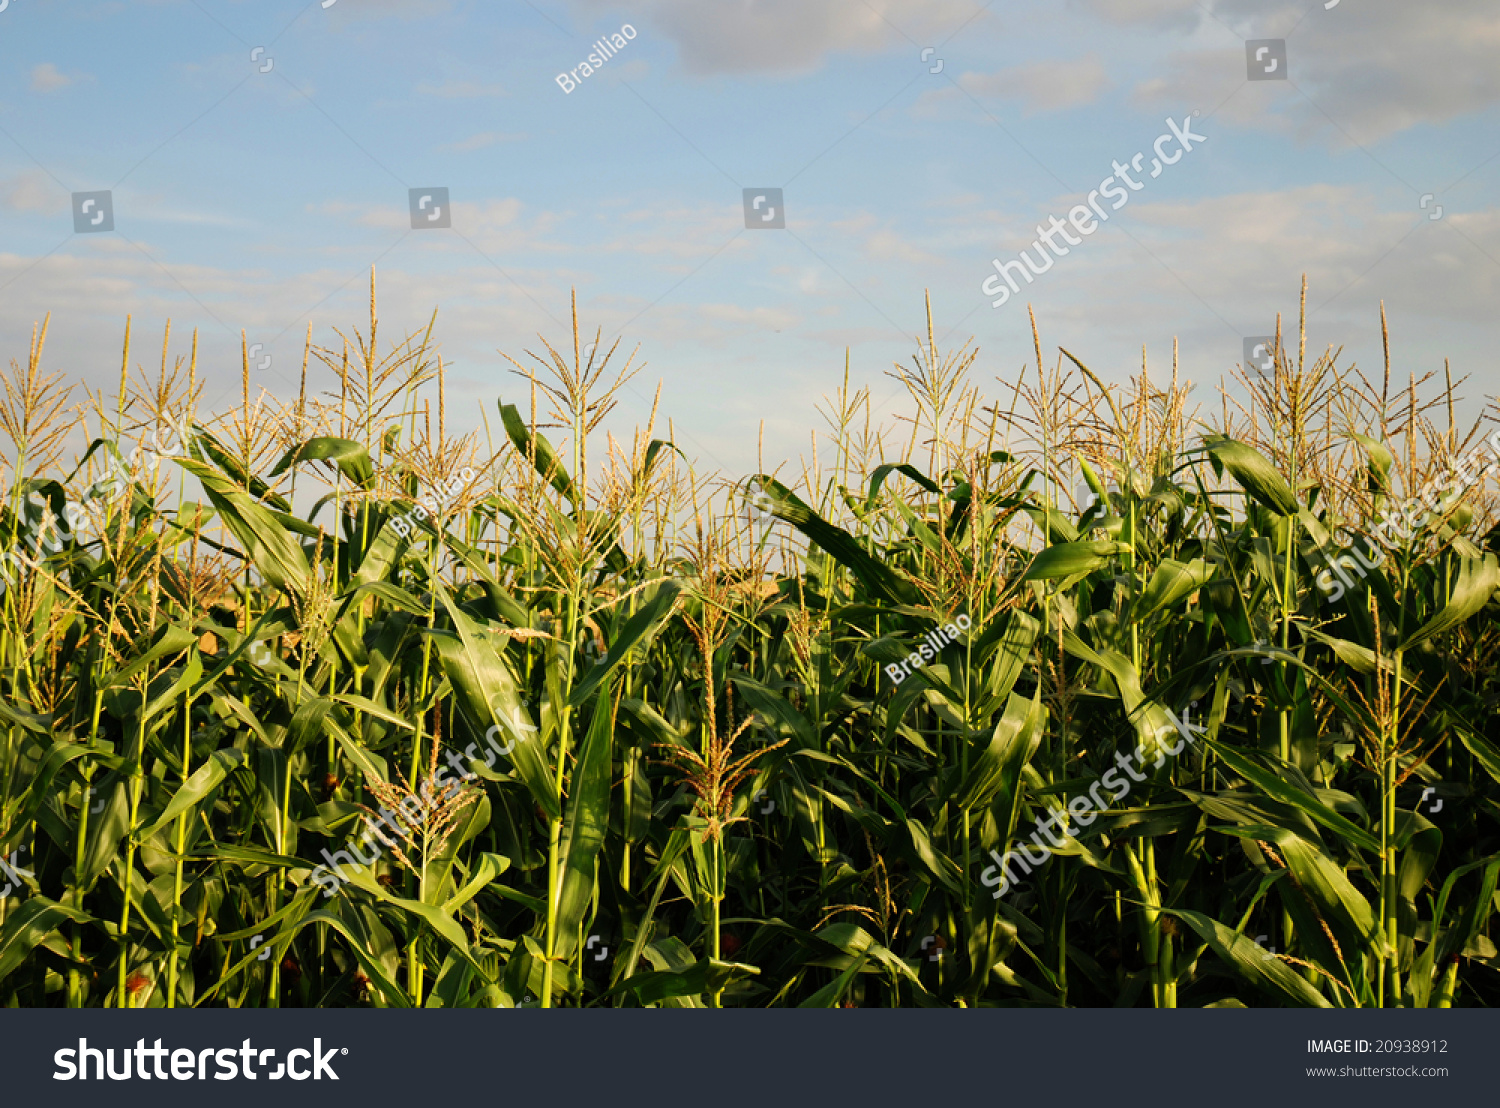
<point>536,717</point>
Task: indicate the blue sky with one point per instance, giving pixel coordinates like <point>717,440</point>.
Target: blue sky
<point>259,199</point>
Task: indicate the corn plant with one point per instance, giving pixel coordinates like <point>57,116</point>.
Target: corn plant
<point>311,703</point>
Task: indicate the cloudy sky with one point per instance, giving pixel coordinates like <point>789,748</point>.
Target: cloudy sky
<point>259,158</point>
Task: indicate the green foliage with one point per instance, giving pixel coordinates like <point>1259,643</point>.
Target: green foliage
<point>676,739</point>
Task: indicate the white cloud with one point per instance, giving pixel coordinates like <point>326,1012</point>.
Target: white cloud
<point>48,78</point>
<point>33,191</point>
<point>775,321</point>
<point>1166,14</point>
<point>1213,81</point>
<point>472,218</point>
<point>349,10</point>
<point>786,36</point>
<point>881,242</point>
<point>460,90</point>
<point>767,319</point>
<point>1376,67</point>
<point>480,141</point>
<point>1043,86</point>
<point>679,238</point>
<point>1236,258</point>
<point>633,70</point>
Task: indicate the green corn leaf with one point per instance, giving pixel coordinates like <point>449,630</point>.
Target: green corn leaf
<point>1012,652</point>
<point>204,445</point>
<point>879,474</point>
<point>482,681</point>
<point>649,462</point>
<point>1171,582</point>
<point>196,788</point>
<point>1280,789</point>
<point>1486,753</point>
<point>842,546</point>
<point>352,459</point>
<point>586,824</point>
<point>1254,472</point>
<point>1073,559</point>
<point>998,763</point>
<point>490,867</point>
<point>29,926</point>
<point>1478,578</point>
<point>647,620</point>
<point>1321,880</point>
<point>1381,462</point>
<point>272,551</point>
<point>1058,528</point>
<point>1259,967</point>
<point>833,992</point>
<point>547,462</point>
